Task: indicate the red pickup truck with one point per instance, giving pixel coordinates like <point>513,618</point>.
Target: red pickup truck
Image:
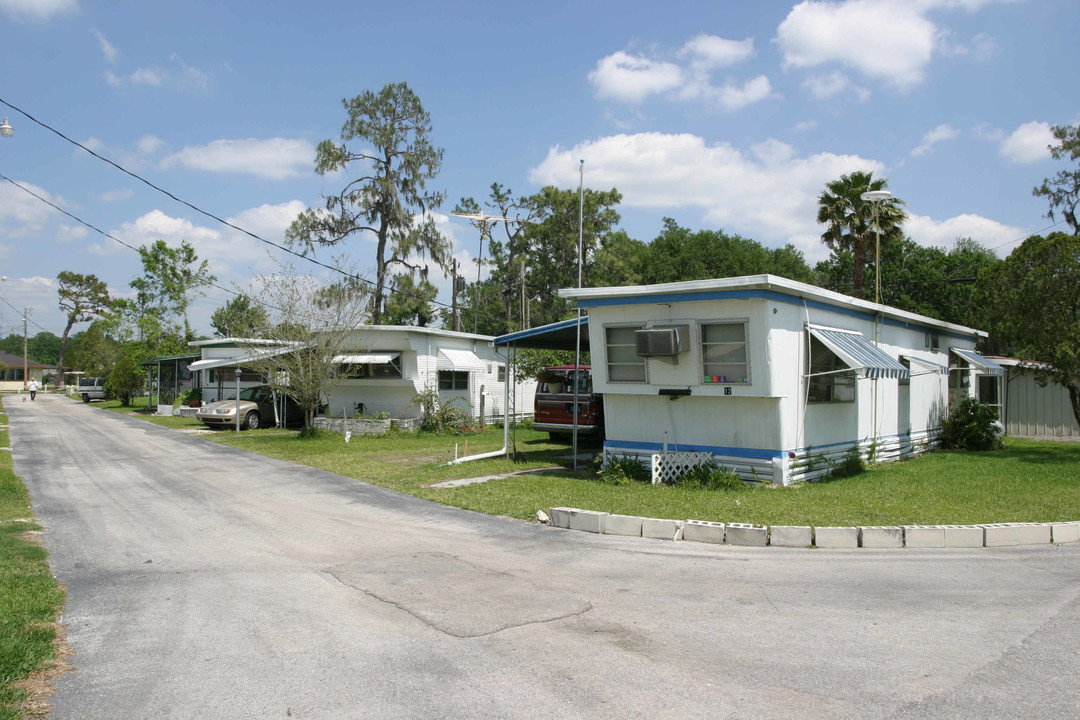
<point>554,404</point>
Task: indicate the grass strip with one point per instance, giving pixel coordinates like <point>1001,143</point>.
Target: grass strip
<point>30,597</point>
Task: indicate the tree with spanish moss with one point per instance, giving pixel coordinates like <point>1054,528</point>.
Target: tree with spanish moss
<point>388,199</point>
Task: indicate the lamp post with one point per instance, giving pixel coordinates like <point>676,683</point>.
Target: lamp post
<point>6,130</point>
<point>876,197</point>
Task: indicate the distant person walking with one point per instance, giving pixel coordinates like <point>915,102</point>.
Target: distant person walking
<point>33,387</point>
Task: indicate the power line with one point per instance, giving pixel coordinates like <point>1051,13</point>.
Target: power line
<point>197,209</point>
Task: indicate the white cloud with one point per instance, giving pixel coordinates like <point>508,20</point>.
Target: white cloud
<point>889,41</point>
<point>710,52</point>
<point>37,10</point>
<point>990,233</point>
<point>150,144</point>
<point>939,134</point>
<point>107,48</point>
<point>632,78</point>
<point>770,195</point>
<point>23,215</point>
<point>148,76</point>
<point>734,97</point>
<point>276,158</point>
<point>1028,143</point>
<point>114,195</point>
<point>824,87</point>
<point>70,233</point>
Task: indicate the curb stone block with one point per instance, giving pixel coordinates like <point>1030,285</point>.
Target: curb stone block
<point>746,534</point>
<point>703,531</point>
<point>1002,534</point>
<point>791,536</point>
<point>924,536</point>
<point>587,520</point>
<point>877,536</point>
<point>1065,532</point>
<point>836,537</point>
<point>560,517</point>
<point>627,525</point>
<point>964,536</point>
<point>661,529</point>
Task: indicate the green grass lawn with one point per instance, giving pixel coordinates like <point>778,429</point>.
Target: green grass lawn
<point>30,597</point>
<point>1029,481</point>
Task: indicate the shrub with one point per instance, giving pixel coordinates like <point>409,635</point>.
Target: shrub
<point>972,426</point>
<point>711,477</point>
<point>852,464</point>
<point>624,471</point>
<point>439,417</point>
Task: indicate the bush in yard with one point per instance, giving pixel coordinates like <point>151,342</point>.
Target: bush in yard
<point>441,418</point>
<point>972,426</point>
<point>711,477</point>
<point>624,471</point>
<point>852,464</point>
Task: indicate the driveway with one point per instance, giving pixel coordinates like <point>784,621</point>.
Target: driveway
<point>205,582</point>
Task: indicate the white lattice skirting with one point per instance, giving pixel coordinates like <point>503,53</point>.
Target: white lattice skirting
<point>670,466</point>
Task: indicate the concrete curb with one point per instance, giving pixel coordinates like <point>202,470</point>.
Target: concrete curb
<point>805,536</point>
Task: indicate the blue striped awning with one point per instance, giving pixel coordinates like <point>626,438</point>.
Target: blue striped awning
<point>988,367</point>
<point>858,353</point>
<point>931,367</point>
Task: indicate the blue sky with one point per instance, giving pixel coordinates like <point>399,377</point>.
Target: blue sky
<point>726,115</point>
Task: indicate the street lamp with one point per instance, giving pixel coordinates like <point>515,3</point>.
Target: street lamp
<point>6,130</point>
<point>876,197</point>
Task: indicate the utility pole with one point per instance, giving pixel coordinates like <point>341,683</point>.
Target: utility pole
<point>25,364</point>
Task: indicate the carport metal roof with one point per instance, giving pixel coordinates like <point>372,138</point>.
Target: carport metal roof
<point>556,336</point>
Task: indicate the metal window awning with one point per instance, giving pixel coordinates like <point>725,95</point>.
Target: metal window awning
<point>930,366</point>
<point>460,360</point>
<point>213,363</point>
<point>367,358</point>
<point>858,353</point>
<point>988,367</point>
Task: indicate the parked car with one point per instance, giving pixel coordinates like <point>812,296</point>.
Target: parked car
<point>91,389</point>
<point>554,403</point>
<point>256,410</point>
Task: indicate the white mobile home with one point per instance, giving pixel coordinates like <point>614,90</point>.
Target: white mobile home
<point>385,367</point>
<point>773,377</point>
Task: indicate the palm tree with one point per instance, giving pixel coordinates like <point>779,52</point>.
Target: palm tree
<point>850,219</point>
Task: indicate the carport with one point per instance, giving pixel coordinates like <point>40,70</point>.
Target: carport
<point>569,335</point>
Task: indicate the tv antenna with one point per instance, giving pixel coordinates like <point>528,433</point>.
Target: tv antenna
<point>484,222</point>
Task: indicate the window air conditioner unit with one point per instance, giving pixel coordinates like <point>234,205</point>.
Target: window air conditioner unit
<point>657,342</point>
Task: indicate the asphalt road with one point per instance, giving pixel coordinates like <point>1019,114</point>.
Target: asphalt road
<point>204,582</point>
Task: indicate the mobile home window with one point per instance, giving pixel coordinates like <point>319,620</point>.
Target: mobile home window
<point>724,354</point>
<point>623,362</point>
<point>453,380</point>
<point>391,369</point>
<point>831,381</point>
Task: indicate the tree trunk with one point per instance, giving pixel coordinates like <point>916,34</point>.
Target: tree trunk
<point>60,360</point>
<point>1074,400</point>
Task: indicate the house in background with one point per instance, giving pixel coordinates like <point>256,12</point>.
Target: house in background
<point>384,370</point>
<point>774,378</point>
<point>1028,409</point>
<point>12,378</point>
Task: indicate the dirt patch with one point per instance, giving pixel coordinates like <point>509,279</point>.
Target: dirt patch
<point>39,686</point>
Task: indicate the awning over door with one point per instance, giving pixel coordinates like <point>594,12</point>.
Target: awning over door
<point>212,363</point>
<point>858,353</point>
<point>367,358</point>
<point>931,367</point>
<point>460,360</point>
<point>988,367</point>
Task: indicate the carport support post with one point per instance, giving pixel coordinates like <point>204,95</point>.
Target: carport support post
<point>237,398</point>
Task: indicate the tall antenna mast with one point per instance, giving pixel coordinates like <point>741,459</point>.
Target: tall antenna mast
<point>484,222</point>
